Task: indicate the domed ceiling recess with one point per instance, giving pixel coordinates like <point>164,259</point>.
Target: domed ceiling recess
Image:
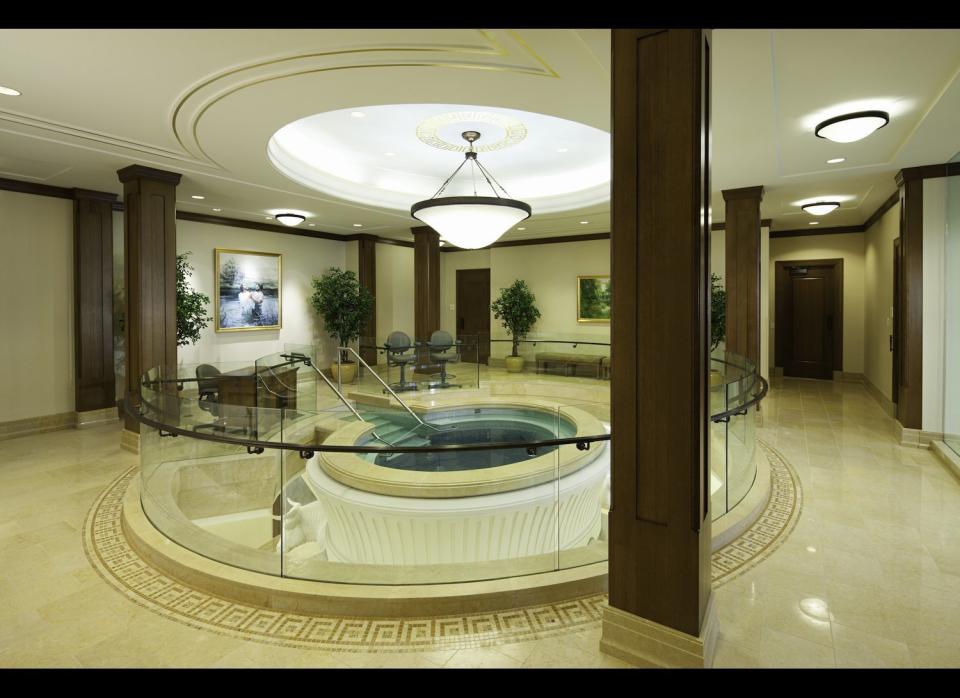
<point>394,155</point>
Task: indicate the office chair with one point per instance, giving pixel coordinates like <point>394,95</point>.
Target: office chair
<point>440,344</point>
<point>209,401</point>
<point>397,344</point>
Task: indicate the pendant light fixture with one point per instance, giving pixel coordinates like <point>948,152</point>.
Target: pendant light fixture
<point>471,222</point>
<point>821,208</point>
<point>852,127</point>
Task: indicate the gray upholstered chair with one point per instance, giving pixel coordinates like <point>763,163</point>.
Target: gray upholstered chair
<point>398,345</point>
<point>209,388</point>
<point>440,346</point>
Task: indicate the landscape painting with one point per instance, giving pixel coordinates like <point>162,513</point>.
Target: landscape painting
<point>593,299</point>
<point>248,290</point>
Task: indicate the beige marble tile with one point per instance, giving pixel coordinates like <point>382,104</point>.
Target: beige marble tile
<point>857,649</point>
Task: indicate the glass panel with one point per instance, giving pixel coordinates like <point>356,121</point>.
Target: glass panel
<point>951,392</point>
<point>218,500</point>
<point>583,485</point>
<point>718,446</point>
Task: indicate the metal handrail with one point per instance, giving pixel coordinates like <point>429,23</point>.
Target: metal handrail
<point>582,442</point>
<point>294,357</point>
<point>745,407</point>
<point>390,390</point>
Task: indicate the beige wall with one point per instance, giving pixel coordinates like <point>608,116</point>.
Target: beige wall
<point>303,259</point>
<point>849,247</point>
<point>395,301</point>
<point>878,297</point>
<point>37,375</point>
<point>551,273</point>
<point>450,262</point>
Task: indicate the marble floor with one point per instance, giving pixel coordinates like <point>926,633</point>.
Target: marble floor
<point>870,575</point>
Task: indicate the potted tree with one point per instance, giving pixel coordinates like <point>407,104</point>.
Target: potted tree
<point>191,306</point>
<point>345,307</point>
<point>718,322</point>
<point>516,309</point>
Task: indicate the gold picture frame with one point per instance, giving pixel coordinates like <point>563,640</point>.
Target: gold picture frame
<point>593,299</point>
<point>248,290</point>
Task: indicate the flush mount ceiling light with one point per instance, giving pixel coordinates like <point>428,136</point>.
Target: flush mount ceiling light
<point>821,208</point>
<point>852,127</point>
<point>834,161</point>
<point>290,219</point>
<point>471,222</point>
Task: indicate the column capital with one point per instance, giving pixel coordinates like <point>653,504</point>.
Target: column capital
<point>743,193</point>
<point>132,172</point>
<point>424,231</point>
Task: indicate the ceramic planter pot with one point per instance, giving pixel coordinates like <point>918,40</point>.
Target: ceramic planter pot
<point>514,364</point>
<point>347,371</point>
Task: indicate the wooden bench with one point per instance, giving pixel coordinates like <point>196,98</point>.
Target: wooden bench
<point>568,361</point>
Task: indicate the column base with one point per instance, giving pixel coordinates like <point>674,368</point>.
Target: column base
<point>90,418</point>
<point>643,643</point>
<point>130,441</point>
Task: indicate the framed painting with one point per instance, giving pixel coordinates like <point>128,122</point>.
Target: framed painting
<point>248,294</point>
<point>593,299</point>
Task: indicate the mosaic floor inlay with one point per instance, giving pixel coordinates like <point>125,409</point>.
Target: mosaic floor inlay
<point>111,555</point>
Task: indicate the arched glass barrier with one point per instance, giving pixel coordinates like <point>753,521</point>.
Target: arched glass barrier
<point>278,467</point>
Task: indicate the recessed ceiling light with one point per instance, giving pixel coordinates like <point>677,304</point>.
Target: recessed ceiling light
<point>218,210</point>
<point>269,218</point>
<point>562,150</point>
<point>9,91</point>
<point>389,155</point>
<point>814,223</point>
<point>834,161</point>
<point>821,208</point>
<point>584,222</point>
<point>358,225</point>
<point>312,225</point>
<point>852,127</point>
<point>521,228</point>
<point>197,196</point>
<point>357,114</point>
<point>291,219</point>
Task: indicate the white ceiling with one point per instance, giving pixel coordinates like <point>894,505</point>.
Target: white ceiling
<point>206,102</point>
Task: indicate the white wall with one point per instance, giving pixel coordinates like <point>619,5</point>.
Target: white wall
<point>303,259</point>
<point>395,297</point>
<point>849,247</point>
<point>934,227</point>
<point>878,300</point>
<point>37,374</point>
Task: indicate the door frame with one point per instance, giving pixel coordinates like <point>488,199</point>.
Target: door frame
<point>782,284</point>
<point>897,315</point>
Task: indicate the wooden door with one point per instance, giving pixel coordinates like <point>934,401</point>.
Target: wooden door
<point>809,318</point>
<point>895,337</point>
<point>473,310</point>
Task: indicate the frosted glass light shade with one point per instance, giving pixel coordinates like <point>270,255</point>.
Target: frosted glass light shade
<point>290,219</point>
<point>471,222</point>
<point>821,208</point>
<point>852,127</point>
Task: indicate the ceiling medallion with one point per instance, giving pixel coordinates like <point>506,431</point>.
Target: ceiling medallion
<point>514,130</point>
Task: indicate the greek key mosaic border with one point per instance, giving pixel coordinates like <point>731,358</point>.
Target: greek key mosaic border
<point>118,564</point>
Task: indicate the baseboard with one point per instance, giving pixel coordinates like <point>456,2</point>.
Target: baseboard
<point>37,425</point>
<point>889,407</point>
<point>948,457</point>
<point>130,441</point>
<point>90,418</point>
<point>916,438</point>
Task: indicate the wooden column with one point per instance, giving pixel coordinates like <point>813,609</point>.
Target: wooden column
<point>367,273</point>
<point>426,285</point>
<point>93,294</point>
<point>910,312</point>
<point>150,273</point>
<point>659,553</point>
<point>742,271</point>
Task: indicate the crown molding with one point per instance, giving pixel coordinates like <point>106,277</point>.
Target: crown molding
<point>743,193</point>
<point>132,172</point>
<point>883,208</point>
<point>804,232</point>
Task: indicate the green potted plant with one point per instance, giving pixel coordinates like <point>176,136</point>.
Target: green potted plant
<point>718,322</point>
<point>516,309</point>
<point>191,306</point>
<point>345,307</point>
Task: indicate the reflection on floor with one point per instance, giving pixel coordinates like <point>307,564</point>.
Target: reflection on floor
<point>870,576</point>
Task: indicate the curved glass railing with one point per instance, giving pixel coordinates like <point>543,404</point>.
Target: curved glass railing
<point>278,467</point>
